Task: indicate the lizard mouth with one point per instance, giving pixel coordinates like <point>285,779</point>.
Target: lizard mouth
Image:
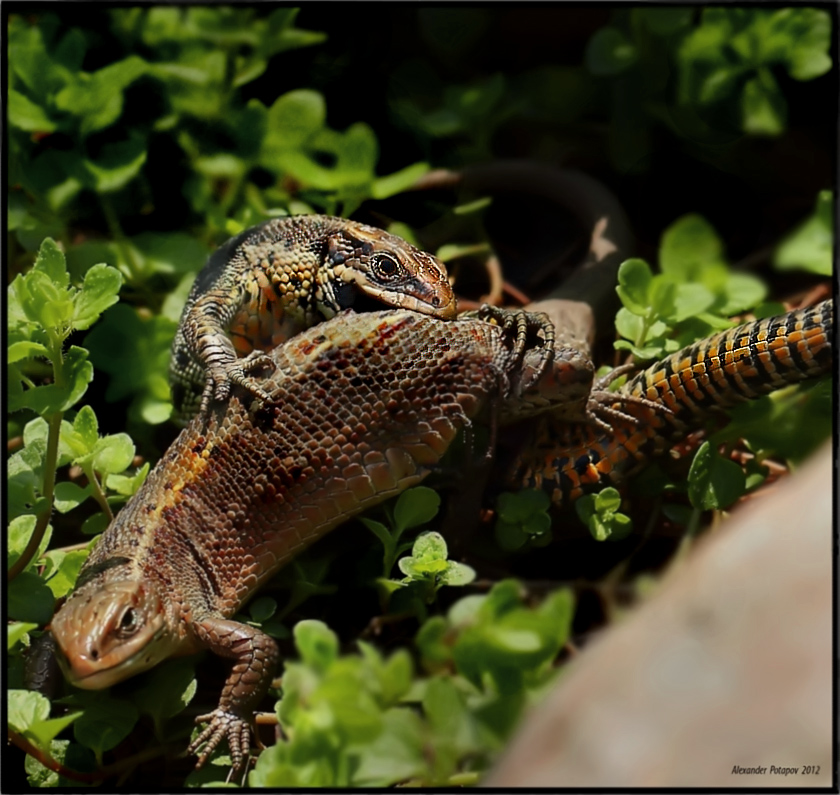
<point>435,304</point>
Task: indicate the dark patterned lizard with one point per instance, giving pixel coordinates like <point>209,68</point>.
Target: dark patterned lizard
<point>278,278</point>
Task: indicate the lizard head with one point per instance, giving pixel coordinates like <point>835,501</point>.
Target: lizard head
<point>368,268</point>
<point>109,631</point>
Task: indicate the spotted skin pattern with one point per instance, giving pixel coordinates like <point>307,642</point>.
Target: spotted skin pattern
<point>281,277</point>
<point>742,363</point>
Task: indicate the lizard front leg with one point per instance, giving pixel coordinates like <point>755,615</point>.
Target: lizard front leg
<point>256,656</point>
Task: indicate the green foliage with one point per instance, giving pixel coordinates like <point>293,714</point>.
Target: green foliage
<point>363,720</point>
<point>693,296</point>
<point>723,68</point>
<point>414,507</point>
<point>810,246</point>
<point>599,512</point>
<point>727,61</point>
<point>714,482</point>
<point>45,308</point>
<point>428,565</point>
<point>522,519</point>
<point>29,715</point>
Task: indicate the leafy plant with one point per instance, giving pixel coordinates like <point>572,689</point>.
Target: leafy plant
<point>599,512</point>
<point>363,720</point>
<point>693,296</point>
<point>522,519</point>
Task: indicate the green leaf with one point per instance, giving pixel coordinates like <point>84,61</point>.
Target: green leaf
<point>113,454</point>
<point>398,754</point>
<point>415,506</point>
<point>607,499</point>
<point>117,166</point>
<point>510,535</point>
<point>687,245</point>
<point>537,525</point>
<point>70,495</point>
<point>19,533</point>
<point>379,530</point>
<point>105,723</point>
<point>26,115</point>
<point>810,246</point>
<point>25,709</point>
<point>95,524</point>
<point>690,300</point>
<point>99,291</point>
<point>86,426</point>
<point>293,119</point>
<point>634,282</point>
<point>664,21</point>
<point>630,325</point>
<point>609,52</point>
<point>76,373</point>
<point>357,153</point>
<point>763,107</point>
<point>98,98</point>
<point>809,32</point>
<point>166,691</point>
<point>263,608</point>
<point>50,261</point>
<point>29,599</point>
<point>18,351</point>
<point>742,291</point>
<point>714,482</point>
<point>401,180</point>
<point>458,574</point>
<point>316,643</point>
<point>43,732</point>
<point>16,632</point>
<point>64,579</point>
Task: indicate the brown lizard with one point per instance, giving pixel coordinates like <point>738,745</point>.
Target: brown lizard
<point>357,409</point>
<point>278,278</point>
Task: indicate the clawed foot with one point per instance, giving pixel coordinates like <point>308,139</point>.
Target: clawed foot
<point>221,379</point>
<point>222,724</point>
<point>600,406</point>
<point>523,323</point>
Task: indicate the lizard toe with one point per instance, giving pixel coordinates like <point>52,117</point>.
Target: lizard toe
<point>222,724</point>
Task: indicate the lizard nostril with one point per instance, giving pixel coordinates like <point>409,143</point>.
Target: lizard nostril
<point>436,301</point>
<point>94,654</point>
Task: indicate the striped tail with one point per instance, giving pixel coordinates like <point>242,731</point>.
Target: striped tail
<point>743,363</point>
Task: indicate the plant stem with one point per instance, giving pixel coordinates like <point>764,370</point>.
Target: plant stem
<point>50,463</point>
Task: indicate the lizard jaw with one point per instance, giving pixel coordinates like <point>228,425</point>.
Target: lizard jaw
<point>109,631</point>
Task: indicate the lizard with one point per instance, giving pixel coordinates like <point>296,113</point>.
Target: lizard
<point>359,408</point>
<point>299,469</point>
<point>280,277</point>
<point>571,459</point>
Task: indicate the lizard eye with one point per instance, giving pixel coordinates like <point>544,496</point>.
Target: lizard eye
<point>128,623</point>
<point>386,265</point>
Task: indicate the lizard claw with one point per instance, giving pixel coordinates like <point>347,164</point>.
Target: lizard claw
<point>221,724</point>
<point>524,323</point>
<point>221,378</point>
